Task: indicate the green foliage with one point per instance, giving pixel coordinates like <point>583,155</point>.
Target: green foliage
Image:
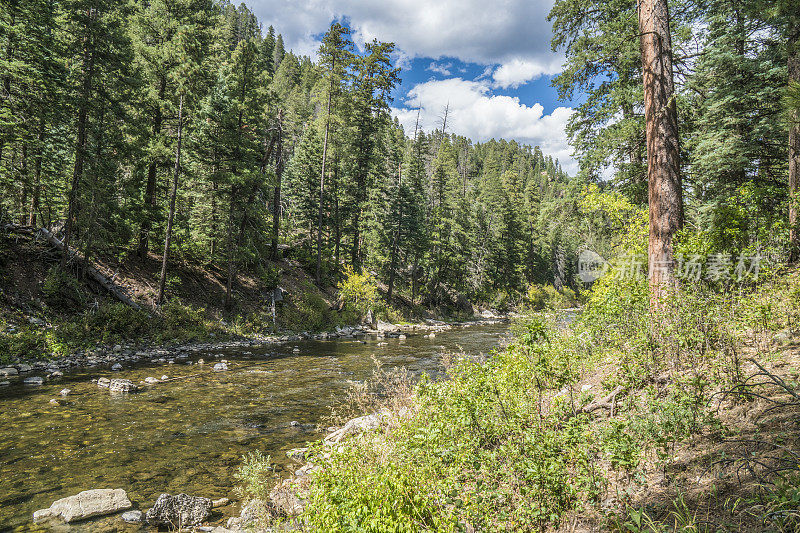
<point>540,297</point>
<point>307,311</point>
<point>256,475</point>
<point>61,290</point>
<point>358,291</point>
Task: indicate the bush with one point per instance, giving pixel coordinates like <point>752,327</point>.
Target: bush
<point>358,291</point>
<point>540,297</point>
<point>309,312</point>
<point>256,475</point>
<point>61,290</point>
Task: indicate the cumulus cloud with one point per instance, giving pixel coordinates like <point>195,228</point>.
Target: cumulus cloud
<point>518,71</point>
<point>469,30</point>
<point>477,113</point>
<point>440,68</point>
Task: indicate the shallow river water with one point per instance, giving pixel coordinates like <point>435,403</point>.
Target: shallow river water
<point>188,435</point>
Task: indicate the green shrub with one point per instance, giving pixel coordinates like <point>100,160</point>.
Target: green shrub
<point>308,312</point>
<point>61,290</point>
<point>358,291</point>
<point>255,475</point>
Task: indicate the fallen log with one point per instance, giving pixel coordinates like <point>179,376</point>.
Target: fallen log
<point>605,403</point>
<point>113,289</point>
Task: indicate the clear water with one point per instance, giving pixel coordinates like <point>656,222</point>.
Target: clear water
<point>187,435</point>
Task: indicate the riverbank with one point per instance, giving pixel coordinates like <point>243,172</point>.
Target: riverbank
<point>108,355</point>
<point>619,423</point>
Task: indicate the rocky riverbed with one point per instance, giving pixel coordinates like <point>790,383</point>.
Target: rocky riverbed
<point>186,425</point>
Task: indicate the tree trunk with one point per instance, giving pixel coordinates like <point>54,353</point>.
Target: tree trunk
<point>663,156</point>
<point>322,177</point>
<point>150,189</point>
<point>276,196</point>
<point>80,145</point>
<point>37,176</point>
<point>793,46</point>
<point>172,198</point>
<point>396,236</point>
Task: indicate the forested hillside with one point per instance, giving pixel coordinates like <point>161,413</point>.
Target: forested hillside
<point>185,131</point>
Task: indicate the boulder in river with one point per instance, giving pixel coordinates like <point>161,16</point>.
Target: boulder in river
<point>122,385</point>
<point>179,511</point>
<point>220,367</point>
<point>132,517</point>
<point>24,368</point>
<point>9,371</point>
<point>151,380</point>
<point>116,367</point>
<point>89,503</point>
<point>103,382</point>
<point>33,381</point>
<point>65,392</point>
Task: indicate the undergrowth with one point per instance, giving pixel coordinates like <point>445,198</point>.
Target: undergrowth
<point>562,423</point>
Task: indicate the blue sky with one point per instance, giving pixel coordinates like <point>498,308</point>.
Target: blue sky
<point>490,61</point>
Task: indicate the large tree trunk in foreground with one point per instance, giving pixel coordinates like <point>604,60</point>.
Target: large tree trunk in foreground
<point>172,198</point>
<point>793,47</point>
<point>663,157</point>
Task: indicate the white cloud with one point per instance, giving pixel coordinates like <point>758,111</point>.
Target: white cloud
<point>473,31</point>
<point>440,68</point>
<point>518,71</point>
<point>477,113</point>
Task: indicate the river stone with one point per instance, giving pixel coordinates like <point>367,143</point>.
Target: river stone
<point>24,368</point>
<point>89,503</point>
<point>65,392</point>
<point>42,514</point>
<point>132,517</point>
<point>121,385</point>
<point>103,382</point>
<point>164,377</point>
<point>116,367</point>
<point>179,511</point>
<point>9,371</point>
<point>222,502</point>
<point>33,381</point>
<point>4,383</point>
<point>151,379</point>
<point>220,367</point>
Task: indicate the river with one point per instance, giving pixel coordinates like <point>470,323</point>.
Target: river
<point>189,435</point>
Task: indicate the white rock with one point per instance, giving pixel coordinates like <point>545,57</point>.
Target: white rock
<point>220,367</point>
<point>164,377</point>
<point>4,383</point>
<point>116,367</point>
<point>33,381</point>
<point>151,379</point>
<point>295,350</point>
<point>9,371</point>
<point>24,368</point>
<point>41,514</point>
<point>90,503</point>
<point>103,382</point>
<point>222,502</point>
<point>132,517</point>
<point>122,385</point>
<point>65,392</point>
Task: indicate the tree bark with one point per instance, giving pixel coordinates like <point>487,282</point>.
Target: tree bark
<point>663,156</point>
<point>793,46</point>
<point>172,198</point>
